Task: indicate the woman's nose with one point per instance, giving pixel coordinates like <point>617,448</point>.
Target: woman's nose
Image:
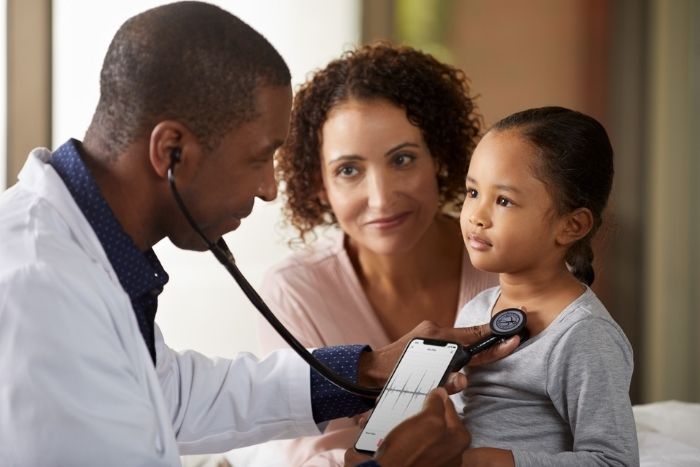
<point>379,190</point>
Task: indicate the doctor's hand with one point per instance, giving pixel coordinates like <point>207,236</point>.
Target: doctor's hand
<point>375,367</point>
<point>433,437</point>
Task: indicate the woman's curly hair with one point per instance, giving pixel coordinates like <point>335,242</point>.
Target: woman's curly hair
<point>434,95</point>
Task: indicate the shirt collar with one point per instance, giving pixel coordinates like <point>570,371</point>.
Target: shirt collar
<point>139,272</point>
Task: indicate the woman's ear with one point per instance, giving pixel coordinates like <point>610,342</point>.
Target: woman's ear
<point>576,225</point>
<point>323,197</point>
<point>170,140</point>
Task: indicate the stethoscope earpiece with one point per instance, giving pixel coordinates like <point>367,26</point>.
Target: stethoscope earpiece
<point>175,156</point>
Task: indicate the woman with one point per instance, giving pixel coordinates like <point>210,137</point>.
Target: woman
<point>379,146</point>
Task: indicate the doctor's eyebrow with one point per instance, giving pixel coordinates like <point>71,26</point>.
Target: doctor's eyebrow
<point>268,150</point>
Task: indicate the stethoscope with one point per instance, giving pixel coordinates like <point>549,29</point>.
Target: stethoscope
<point>504,324</point>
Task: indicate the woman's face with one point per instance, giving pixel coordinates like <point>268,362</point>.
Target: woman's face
<point>378,175</point>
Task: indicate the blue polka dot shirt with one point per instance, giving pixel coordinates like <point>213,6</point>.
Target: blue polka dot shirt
<point>140,273</point>
<point>143,278</point>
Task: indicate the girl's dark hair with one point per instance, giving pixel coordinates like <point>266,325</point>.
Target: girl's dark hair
<point>435,97</point>
<point>576,164</point>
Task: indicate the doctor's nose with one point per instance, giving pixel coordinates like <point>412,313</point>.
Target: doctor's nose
<point>267,191</point>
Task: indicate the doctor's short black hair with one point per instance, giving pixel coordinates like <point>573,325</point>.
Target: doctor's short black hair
<point>435,96</point>
<point>188,61</point>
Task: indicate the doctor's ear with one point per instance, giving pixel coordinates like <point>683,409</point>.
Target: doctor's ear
<point>168,143</point>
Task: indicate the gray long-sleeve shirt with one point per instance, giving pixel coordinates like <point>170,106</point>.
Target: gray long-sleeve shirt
<point>562,398</point>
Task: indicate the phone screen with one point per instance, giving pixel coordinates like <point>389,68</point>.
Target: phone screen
<point>422,367</point>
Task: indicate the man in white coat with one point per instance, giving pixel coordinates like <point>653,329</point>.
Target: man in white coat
<point>85,377</point>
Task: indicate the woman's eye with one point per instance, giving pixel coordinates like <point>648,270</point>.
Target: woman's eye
<point>505,202</point>
<point>346,171</point>
<point>403,159</point>
<point>472,193</point>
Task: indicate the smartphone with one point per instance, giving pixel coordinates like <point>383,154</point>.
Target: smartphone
<point>423,366</point>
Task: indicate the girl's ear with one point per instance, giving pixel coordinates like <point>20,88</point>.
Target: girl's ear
<point>576,225</point>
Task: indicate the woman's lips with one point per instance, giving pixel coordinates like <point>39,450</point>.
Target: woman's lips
<point>389,222</point>
<point>478,243</point>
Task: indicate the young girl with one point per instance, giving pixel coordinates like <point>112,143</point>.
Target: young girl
<point>536,188</point>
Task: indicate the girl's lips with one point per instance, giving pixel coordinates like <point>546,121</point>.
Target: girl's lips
<point>478,243</point>
<point>389,222</point>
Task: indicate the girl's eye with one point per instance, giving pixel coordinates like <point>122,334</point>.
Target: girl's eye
<point>472,193</point>
<point>346,171</point>
<point>402,159</point>
<point>505,202</point>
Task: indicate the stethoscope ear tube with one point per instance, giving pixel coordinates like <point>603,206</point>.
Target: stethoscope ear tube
<point>504,324</point>
<point>225,257</point>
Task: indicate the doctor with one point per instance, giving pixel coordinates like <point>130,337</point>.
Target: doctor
<point>85,377</point>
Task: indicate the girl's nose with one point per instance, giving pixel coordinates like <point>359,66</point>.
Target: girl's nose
<point>479,217</point>
<point>476,221</point>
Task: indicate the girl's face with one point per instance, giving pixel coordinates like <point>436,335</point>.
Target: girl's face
<point>378,175</point>
<point>509,222</point>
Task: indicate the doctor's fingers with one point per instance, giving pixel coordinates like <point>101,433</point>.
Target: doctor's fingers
<point>433,437</point>
<point>497,352</point>
<point>352,457</point>
<point>471,335</point>
<point>456,382</point>
<point>452,420</point>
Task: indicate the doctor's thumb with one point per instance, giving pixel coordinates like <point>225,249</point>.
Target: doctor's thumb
<point>455,383</point>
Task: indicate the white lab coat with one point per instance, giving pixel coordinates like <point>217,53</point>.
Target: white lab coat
<point>77,386</point>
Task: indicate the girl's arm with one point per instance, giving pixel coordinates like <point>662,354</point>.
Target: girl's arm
<point>487,457</point>
<point>588,380</point>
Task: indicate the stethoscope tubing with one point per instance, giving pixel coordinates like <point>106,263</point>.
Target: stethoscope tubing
<point>515,323</point>
<point>225,257</point>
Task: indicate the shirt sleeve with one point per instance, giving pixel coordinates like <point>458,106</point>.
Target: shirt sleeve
<point>328,401</point>
<point>219,404</point>
<point>588,381</point>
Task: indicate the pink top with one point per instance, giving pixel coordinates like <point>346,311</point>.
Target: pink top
<point>316,294</point>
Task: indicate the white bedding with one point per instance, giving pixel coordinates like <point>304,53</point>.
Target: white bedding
<point>668,433</point>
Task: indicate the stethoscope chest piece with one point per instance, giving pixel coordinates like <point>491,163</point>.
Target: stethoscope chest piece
<point>508,322</point>
<point>504,324</point>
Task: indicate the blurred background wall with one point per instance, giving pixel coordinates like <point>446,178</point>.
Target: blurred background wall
<point>634,65</point>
